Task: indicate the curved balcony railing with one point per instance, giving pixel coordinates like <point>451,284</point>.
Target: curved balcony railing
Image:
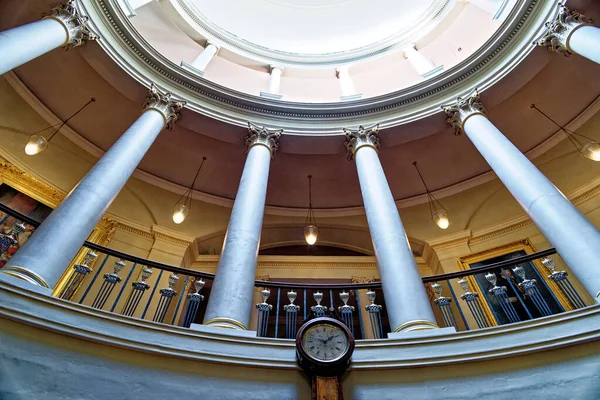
<point>510,291</point>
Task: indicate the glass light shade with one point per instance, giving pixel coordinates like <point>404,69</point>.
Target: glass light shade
<point>591,151</point>
<point>440,217</point>
<point>311,233</point>
<point>36,145</point>
<point>180,212</point>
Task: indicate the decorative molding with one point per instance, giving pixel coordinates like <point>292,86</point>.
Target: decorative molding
<point>168,107</point>
<point>506,49</point>
<point>258,136</point>
<point>76,26</point>
<point>559,32</point>
<point>360,138</point>
<point>32,187</point>
<point>462,109</point>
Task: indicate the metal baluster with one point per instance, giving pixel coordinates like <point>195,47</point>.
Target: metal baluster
<point>374,315</point>
<point>529,287</point>
<point>139,287</point>
<point>318,310</point>
<point>500,293</point>
<point>360,318</point>
<point>94,279</point>
<point>291,315</point>
<point>444,304</point>
<point>472,300</point>
<point>110,281</point>
<point>563,283</point>
<point>195,299</point>
<point>277,312</point>
<point>77,277</point>
<point>152,293</point>
<point>6,241</point>
<point>516,291</point>
<point>462,315</point>
<point>123,287</point>
<point>305,309</point>
<point>187,278</point>
<point>346,311</point>
<point>264,310</point>
<point>166,296</point>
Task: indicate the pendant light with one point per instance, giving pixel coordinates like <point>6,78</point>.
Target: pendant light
<point>589,148</point>
<point>38,143</point>
<point>439,215</point>
<point>311,232</point>
<point>184,204</point>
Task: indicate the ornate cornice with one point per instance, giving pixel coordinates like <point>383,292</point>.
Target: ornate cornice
<point>76,26</point>
<point>463,108</point>
<point>506,49</point>
<point>556,39</point>
<point>29,185</point>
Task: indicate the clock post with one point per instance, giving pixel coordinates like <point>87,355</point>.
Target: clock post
<point>323,349</point>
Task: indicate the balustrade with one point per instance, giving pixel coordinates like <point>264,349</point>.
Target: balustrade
<point>501,293</point>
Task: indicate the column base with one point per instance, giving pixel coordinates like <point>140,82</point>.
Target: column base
<point>23,284</point>
<point>272,96</point>
<point>222,331</point>
<point>416,325</point>
<point>224,322</point>
<point>421,333</point>
<point>351,97</point>
<point>26,275</point>
<point>191,68</point>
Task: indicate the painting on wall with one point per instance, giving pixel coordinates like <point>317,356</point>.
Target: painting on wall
<point>13,234</point>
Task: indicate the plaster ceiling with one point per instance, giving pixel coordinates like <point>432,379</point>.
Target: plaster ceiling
<point>63,81</point>
<point>316,26</point>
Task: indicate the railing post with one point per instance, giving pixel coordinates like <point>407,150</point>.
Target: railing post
<point>444,304</point>
<point>79,274</point>
<point>110,281</point>
<point>166,296</point>
<point>137,292</point>
<point>563,283</point>
<point>264,310</point>
<point>500,294</point>
<point>374,315</point>
<point>291,315</point>
<point>472,300</point>
<point>195,299</point>
<point>529,287</point>
<point>346,311</point>
<point>11,239</point>
<point>318,310</point>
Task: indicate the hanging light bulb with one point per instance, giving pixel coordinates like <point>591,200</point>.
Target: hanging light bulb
<point>184,205</point>
<point>180,212</point>
<point>589,150</point>
<point>38,143</point>
<point>439,215</point>
<point>311,232</point>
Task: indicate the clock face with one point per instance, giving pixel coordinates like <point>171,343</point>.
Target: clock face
<point>325,342</point>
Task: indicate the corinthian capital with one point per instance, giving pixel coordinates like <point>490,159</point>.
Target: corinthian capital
<point>263,137</point>
<point>163,103</point>
<point>559,31</point>
<point>74,23</point>
<point>464,107</point>
<point>360,138</point>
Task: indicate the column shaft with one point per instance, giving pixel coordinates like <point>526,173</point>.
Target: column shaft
<point>24,43</point>
<point>202,61</point>
<point>576,239</point>
<point>407,304</point>
<point>231,295</point>
<point>585,41</point>
<point>55,242</point>
<point>274,81</point>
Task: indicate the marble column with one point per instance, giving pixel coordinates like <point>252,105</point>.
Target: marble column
<point>422,65</point>
<point>274,84</point>
<point>572,33</point>
<point>346,85</point>
<point>44,257</point>
<point>202,61</point>
<point>408,306</point>
<point>62,26</point>
<point>230,302</point>
<point>575,238</point>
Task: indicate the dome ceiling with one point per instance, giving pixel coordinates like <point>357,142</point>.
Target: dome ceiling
<point>317,26</point>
